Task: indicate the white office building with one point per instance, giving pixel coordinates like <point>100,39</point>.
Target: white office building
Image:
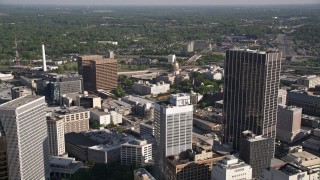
<point>136,152</point>
<point>102,117</point>
<point>231,168</point>
<point>173,128</point>
<point>24,122</point>
<point>116,118</point>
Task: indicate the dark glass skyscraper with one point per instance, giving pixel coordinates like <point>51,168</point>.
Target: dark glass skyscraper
<point>250,93</point>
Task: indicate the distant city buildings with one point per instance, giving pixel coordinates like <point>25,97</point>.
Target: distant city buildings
<point>231,167</point>
<point>289,123</point>
<point>251,104</point>
<point>24,124</point>
<point>98,72</point>
<point>257,151</point>
<point>190,47</point>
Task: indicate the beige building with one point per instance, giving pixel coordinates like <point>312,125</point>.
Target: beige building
<point>289,123</point>
<point>305,159</point>
<point>76,119</point>
<point>98,72</point>
<point>55,127</point>
<point>282,96</point>
<point>309,81</point>
<point>192,164</point>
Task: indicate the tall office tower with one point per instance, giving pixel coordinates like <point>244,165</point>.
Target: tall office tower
<point>98,72</point>
<point>250,93</point>
<point>257,151</point>
<point>172,129</point>
<point>56,140</point>
<point>289,123</point>
<point>24,122</point>
<point>3,155</point>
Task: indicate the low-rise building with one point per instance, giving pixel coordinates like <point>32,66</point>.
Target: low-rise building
<point>231,167</point>
<point>142,174</point>
<point>63,167</point>
<point>101,116</point>
<point>305,160</point>
<point>6,77</point>
<point>76,119</point>
<point>96,146</point>
<point>309,81</point>
<point>288,172</point>
<point>146,88</point>
<point>20,91</point>
<point>140,106</point>
<point>136,152</point>
<point>310,104</point>
<point>195,163</point>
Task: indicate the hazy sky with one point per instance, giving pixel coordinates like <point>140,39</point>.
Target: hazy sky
<point>158,2</point>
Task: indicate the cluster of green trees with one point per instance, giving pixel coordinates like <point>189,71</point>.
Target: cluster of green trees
<point>200,84</point>
<point>119,92</point>
<point>138,30</point>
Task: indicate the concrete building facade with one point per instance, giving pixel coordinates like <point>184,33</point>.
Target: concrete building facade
<point>137,153</point>
<point>250,93</point>
<point>289,123</point>
<point>24,121</point>
<point>309,81</point>
<point>56,136</point>
<point>173,129</point>
<point>4,174</point>
<point>257,151</point>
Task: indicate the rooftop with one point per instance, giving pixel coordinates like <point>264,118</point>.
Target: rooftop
<point>231,162</point>
<point>63,161</point>
<point>79,139</point>
<point>302,96</point>
<point>141,172</point>
<point>137,99</point>
<point>290,169</point>
<point>98,112</point>
<point>20,101</point>
<point>66,110</point>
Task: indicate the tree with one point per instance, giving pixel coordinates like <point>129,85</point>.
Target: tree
<point>95,124</point>
<point>119,92</point>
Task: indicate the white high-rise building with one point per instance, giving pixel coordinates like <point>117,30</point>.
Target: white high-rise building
<point>136,153</point>
<point>231,167</point>
<point>24,121</point>
<point>173,128</point>
<point>56,136</point>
